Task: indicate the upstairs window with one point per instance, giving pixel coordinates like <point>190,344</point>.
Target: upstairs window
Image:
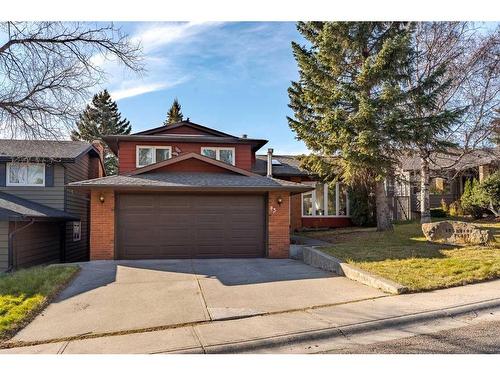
<point>147,155</point>
<point>223,154</point>
<point>25,174</point>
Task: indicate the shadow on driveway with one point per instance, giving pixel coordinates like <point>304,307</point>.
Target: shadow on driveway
<point>229,272</point>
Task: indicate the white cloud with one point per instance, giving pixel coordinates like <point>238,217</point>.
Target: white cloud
<point>131,90</point>
<point>153,36</point>
<point>162,69</point>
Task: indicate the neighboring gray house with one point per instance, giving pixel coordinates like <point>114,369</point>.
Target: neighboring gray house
<point>42,221</point>
<point>448,173</point>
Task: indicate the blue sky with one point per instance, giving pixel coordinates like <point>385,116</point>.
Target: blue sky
<point>229,76</point>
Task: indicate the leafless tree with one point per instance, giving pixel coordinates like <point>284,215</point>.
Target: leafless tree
<point>48,68</point>
<point>471,54</point>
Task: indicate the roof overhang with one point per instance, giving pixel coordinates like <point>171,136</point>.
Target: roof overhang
<point>14,208</point>
<point>195,189</point>
<point>113,141</point>
<point>186,123</point>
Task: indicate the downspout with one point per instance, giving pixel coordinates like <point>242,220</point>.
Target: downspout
<point>11,244</point>
<point>270,162</point>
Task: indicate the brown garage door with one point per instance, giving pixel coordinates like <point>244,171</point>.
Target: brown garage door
<point>155,226</point>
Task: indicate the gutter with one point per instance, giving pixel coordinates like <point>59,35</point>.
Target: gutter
<point>11,244</point>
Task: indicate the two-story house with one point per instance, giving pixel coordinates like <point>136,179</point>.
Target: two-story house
<point>188,191</point>
<point>41,220</point>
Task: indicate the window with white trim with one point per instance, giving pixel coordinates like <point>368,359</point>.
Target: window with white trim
<point>331,200</point>
<point>224,154</point>
<point>146,155</point>
<point>25,174</point>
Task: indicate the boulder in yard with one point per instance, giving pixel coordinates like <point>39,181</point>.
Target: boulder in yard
<point>456,233</point>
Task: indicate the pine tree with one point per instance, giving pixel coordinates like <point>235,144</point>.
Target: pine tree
<point>350,100</point>
<point>100,118</point>
<point>174,114</point>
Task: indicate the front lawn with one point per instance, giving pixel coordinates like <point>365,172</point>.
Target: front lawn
<point>24,293</point>
<point>404,256</point>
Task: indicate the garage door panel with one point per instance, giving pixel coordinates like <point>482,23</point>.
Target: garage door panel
<point>158,226</point>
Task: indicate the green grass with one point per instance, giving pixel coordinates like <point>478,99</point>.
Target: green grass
<point>406,257</point>
<point>24,293</point>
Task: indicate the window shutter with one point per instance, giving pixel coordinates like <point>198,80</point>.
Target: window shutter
<point>3,174</point>
<point>49,175</point>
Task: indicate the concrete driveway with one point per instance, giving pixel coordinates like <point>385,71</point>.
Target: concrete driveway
<point>115,296</point>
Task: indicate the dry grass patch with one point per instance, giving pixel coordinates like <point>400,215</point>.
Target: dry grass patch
<point>405,257</point>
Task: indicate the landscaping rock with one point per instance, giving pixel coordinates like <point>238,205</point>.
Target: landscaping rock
<point>456,233</point>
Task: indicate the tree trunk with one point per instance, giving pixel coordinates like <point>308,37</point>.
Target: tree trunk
<point>383,216</point>
<point>425,207</point>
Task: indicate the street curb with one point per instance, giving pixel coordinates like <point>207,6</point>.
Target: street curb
<point>318,259</point>
<point>338,331</point>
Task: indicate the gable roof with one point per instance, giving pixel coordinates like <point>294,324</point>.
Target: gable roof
<point>192,182</point>
<point>411,161</point>
<point>114,140</point>
<point>191,155</point>
<point>15,208</point>
<point>61,151</point>
<point>166,133</point>
<point>201,128</point>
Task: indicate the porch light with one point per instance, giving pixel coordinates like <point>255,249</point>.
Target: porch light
<point>101,198</point>
<point>280,200</point>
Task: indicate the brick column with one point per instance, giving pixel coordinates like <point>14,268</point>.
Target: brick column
<point>102,225</point>
<point>278,225</point>
<point>296,208</point>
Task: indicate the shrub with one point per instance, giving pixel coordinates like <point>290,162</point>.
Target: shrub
<point>438,212</point>
<point>474,200</point>
<point>456,209</point>
<point>491,189</point>
<point>444,206</point>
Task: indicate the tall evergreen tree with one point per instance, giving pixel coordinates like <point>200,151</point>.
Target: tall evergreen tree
<point>100,118</point>
<point>174,114</point>
<point>350,102</point>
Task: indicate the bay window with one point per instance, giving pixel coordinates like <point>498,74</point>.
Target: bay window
<point>326,200</point>
<point>224,154</point>
<point>147,155</point>
<point>25,174</point>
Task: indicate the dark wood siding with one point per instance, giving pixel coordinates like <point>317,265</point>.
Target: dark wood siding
<point>4,245</point>
<point>37,244</point>
<point>77,203</point>
<point>52,196</point>
<point>158,226</point>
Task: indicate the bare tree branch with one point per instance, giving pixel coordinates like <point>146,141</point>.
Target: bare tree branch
<point>47,70</point>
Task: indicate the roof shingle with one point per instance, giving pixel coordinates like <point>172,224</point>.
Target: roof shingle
<point>191,181</point>
<point>15,208</point>
<point>289,166</point>
<point>33,149</point>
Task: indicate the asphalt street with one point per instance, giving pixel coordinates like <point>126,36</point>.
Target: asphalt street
<point>477,338</point>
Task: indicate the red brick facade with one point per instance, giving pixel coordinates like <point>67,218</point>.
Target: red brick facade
<point>278,225</point>
<point>102,225</point>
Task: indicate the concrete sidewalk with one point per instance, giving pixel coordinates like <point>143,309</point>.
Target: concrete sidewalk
<point>308,330</point>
